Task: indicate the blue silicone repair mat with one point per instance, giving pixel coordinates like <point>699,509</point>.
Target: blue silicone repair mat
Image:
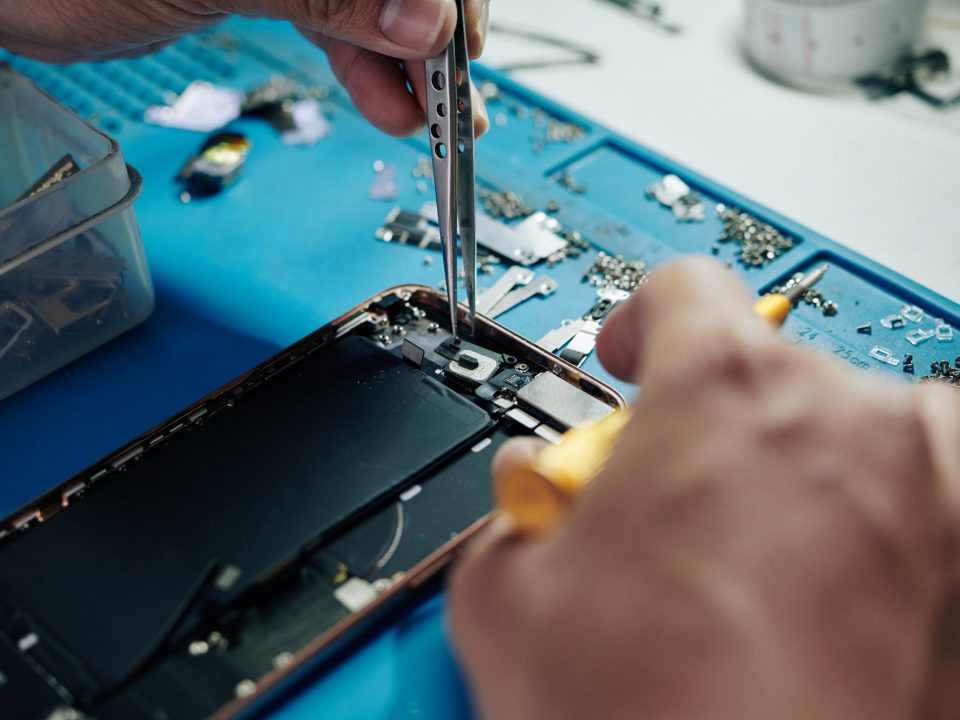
<point>292,245</point>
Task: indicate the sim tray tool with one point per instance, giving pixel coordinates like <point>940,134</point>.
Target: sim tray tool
<point>450,128</point>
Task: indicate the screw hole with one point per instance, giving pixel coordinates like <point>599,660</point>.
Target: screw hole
<point>442,110</point>
<point>438,80</point>
<point>441,150</point>
<point>435,130</point>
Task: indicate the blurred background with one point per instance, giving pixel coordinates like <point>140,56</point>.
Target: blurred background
<point>880,175</point>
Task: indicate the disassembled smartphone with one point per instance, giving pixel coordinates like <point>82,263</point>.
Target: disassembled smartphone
<point>202,568</point>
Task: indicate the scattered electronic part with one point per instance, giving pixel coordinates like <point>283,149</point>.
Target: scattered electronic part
<point>613,271</point>
<point>812,297</point>
<point>217,165</point>
<point>912,313</point>
<point>568,182</point>
<point>893,322</point>
<point>513,277</point>
<point>408,228</point>
<point>540,286</point>
<point>582,344</point>
<point>920,336</point>
<point>884,355</point>
<point>424,169</point>
<point>292,109</point>
<point>865,329</point>
<point>560,131</point>
<point>558,400</point>
<point>532,240</point>
<point>384,185</point>
<point>760,243</point>
<point>202,107</point>
<point>908,364</point>
<point>940,371</point>
<point>61,170</point>
<point>504,204</point>
<point>576,245</point>
<point>608,298</point>
<point>674,193</point>
<point>310,125</point>
<point>944,332</point>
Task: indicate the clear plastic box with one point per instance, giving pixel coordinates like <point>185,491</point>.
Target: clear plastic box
<point>73,274</point>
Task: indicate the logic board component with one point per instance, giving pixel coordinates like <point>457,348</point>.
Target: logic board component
<point>473,366</point>
<point>562,402</point>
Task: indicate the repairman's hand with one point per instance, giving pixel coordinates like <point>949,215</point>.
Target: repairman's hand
<point>366,40</point>
<point>774,537</point>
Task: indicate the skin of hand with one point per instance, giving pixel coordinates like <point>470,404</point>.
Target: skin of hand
<point>374,46</point>
<point>775,536</point>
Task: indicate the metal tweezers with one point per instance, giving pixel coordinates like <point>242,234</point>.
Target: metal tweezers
<point>450,128</point>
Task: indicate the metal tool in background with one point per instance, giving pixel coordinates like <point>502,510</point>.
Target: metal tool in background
<point>450,128</point>
<point>803,42</point>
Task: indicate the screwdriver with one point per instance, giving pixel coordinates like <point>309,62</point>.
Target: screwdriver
<point>536,495</point>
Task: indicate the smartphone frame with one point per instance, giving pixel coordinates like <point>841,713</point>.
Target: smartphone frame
<point>321,648</point>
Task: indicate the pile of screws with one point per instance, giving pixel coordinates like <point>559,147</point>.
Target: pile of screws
<point>567,181</point>
<point>564,132</point>
<point>504,204</point>
<point>812,297</point>
<point>614,272</point>
<point>941,372</point>
<point>576,246</point>
<point>423,171</point>
<point>759,242</point>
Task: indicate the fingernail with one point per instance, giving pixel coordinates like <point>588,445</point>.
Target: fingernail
<point>483,25</point>
<point>415,24</point>
<point>482,123</point>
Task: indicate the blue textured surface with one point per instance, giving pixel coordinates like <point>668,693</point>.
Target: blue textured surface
<point>291,246</point>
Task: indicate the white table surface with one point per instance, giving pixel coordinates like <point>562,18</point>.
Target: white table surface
<point>881,178</point>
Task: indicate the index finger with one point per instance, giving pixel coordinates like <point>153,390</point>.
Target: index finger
<point>686,307</point>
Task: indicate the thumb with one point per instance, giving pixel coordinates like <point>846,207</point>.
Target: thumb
<point>405,29</point>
